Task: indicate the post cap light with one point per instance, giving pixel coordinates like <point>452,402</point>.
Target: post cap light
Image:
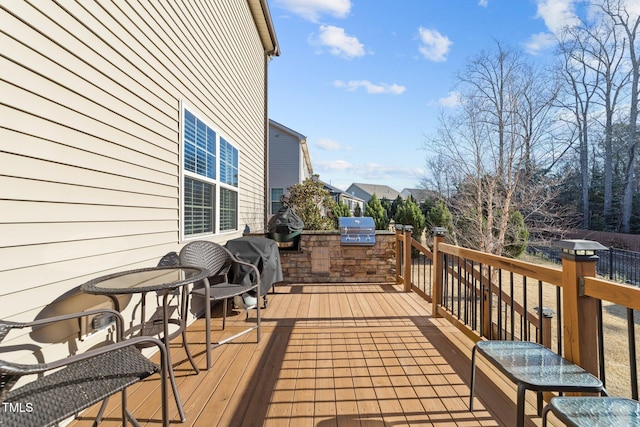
<point>546,312</point>
<point>578,248</point>
<point>439,231</point>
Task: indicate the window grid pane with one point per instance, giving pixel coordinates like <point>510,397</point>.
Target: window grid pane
<point>276,194</point>
<point>198,207</point>
<point>199,147</point>
<point>228,163</point>
<point>228,209</point>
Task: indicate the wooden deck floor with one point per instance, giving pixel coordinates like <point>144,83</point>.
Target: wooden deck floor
<point>330,356</point>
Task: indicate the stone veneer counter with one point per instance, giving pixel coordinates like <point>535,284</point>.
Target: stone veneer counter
<point>321,258</point>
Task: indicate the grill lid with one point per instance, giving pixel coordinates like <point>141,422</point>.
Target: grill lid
<point>285,222</point>
<point>357,231</point>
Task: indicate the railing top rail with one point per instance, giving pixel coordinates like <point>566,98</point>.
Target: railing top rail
<point>617,293</point>
<point>423,249</point>
<point>551,275</point>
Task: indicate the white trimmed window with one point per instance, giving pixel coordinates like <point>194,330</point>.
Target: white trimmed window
<point>210,179</point>
<point>276,194</point>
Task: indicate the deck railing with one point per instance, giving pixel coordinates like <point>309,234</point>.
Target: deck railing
<point>588,320</point>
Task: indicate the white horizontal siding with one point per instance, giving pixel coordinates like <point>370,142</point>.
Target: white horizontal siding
<point>90,133</point>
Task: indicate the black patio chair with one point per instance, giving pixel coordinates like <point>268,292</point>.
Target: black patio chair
<point>78,381</point>
<point>218,260</point>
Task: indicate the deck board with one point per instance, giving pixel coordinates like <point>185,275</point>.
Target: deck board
<point>331,355</point>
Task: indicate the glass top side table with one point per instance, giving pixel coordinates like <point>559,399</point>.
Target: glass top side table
<point>594,411</point>
<point>534,367</point>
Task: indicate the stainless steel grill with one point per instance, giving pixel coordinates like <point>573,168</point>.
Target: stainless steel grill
<point>357,231</point>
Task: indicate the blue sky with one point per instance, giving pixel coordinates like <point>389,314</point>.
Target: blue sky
<point>365,80</point>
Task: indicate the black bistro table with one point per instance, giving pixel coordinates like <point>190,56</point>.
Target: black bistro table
<point>164,281</point>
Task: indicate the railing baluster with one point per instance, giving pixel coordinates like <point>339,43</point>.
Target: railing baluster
<point>466,295</point>
<point>445,287</point>
<point>601,356</point>
<point>490,302</point>
<point>526,308</point>
<point>483,305</point>
<point>633,361</point>
<point>500,326</point>
<point>559,321</point>
<point>540,314</point>
<point>513,317</point>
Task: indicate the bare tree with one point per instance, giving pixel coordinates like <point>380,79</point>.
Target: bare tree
<point>594,69</point>
<point>609,49</point>
<point>627,22</point>
<point>491,144</point>
<point>581,83</point>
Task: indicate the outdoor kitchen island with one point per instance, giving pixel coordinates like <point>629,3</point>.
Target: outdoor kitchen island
<point>321,258</point>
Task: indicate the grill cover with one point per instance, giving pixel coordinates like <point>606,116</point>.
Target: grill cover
<point>261,252</point>
<point>357,231</point>
<point>285,228</point>
<point>285,222</point>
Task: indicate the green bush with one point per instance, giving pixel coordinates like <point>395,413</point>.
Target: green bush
<point>340,209</point>
<point>409,213</point>
<point>517,236</point>
<point>310,201</point>
<point>439,215</point>
<point>375,210</point>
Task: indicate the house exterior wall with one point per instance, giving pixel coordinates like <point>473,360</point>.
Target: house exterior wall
<point>351,202</point>
<point>285,159</point>
<point>90,134</point>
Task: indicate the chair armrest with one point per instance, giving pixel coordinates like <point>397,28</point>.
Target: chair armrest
<point>48,320</point>
<point>255,273</point>
<point>37,368</point>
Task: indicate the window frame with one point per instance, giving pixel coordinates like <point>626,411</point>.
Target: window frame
<point>272,200</point>
<point>217,181</point>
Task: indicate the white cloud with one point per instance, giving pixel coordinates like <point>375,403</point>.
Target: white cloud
<point>450,101</point>
<point>433,45</point>
<point>483,3</point>
<point>372,88</point>
<point>340,43</point>
<point>312,9</point>
<point>333,165</point>
<point>633,7</point>
<point>331,145</point>
<point>368,171</point>
<point>376,171</point>
<point>539,42</point>
<point>557,14</point>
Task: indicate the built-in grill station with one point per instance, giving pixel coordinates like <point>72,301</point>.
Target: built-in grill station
<point>357,231</point>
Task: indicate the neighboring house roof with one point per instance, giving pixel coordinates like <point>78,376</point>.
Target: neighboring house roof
<point>419,194</point>
<point>303,142</point>
<point>264,24</point>
<point>336,191</point>
<point>381,191</point>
